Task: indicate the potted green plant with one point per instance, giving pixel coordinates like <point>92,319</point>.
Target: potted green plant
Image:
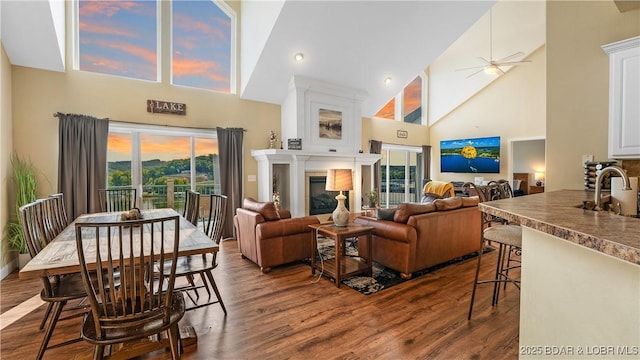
<point>24,178</point>
<point>373,198</point>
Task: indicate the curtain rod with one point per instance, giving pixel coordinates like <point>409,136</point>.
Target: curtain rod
<point>164,125</point>
<point>167,126</point>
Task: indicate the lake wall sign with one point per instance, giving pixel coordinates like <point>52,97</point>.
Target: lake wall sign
<point>166,107</point>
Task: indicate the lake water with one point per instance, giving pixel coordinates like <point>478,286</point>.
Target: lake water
<point>458,163</point>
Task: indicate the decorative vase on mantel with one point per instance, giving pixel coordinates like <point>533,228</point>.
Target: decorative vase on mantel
<point>272,139</point>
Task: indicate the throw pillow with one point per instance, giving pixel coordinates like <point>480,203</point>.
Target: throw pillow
<point>386,214</point>
<point>428,198</point>
<point>405,210</point>
<point>268,210</point>
<point>284,214</point>
<point>448,203</point>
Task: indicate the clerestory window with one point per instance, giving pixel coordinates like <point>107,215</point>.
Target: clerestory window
<point>407,106</point>
<point>118,38</point>
<point>123,38</point>
<point>202,55</point>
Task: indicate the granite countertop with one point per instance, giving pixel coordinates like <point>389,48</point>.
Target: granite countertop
<point>558,213</point>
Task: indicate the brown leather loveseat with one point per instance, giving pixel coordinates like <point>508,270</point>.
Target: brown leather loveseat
<point>270,237</point>
<point>423,235</point>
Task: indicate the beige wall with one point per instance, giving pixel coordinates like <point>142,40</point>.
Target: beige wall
<point>6,144</point>
<point>512,107</point>
<point>38,94</point>
<point>387,131</point>
<point>578,83</point>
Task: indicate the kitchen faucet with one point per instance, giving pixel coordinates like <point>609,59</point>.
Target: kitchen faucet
<point>608,169</point>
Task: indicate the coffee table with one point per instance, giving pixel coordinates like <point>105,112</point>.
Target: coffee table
<point>341,266</point>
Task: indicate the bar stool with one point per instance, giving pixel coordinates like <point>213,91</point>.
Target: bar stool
<point>499,231</point>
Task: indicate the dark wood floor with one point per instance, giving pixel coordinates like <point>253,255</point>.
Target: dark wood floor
<point>285,315</point>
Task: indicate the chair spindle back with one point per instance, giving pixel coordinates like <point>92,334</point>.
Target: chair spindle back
<point>191,206</point>
<point>130,249</point>
<point>217,214</point>
<point>113,200</point>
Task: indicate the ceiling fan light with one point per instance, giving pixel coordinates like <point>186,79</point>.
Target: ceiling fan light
<point>491,69</point>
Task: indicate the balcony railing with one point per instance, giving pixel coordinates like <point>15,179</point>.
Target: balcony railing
<point>171,195</point>
<point>396,193</point>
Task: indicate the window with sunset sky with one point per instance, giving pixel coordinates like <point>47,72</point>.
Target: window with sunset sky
<point>411,101</point>
<point>123,38</point>
<point>150,157</point>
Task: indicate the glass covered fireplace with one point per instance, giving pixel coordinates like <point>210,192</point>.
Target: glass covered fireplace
<point>322,201</point>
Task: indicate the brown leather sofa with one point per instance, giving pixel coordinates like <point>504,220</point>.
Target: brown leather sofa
<point>270,237</point>
<point>424,235</point>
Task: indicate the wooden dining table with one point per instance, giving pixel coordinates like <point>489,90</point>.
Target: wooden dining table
<point>60,257</point>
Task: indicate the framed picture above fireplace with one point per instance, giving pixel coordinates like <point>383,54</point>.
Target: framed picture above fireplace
<point>330,124</point>
<point>332,127</point>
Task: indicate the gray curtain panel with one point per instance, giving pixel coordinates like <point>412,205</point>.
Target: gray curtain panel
<point>426,161</point>
<point>230,158</point>
<point>375,147</point>
<point>82,161</point>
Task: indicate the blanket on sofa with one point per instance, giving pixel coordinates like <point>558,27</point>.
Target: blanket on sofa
<point>441,188</point>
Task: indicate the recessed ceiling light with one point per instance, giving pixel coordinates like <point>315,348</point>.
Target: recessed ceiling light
<point>298,56</point>
<point>387,80</point>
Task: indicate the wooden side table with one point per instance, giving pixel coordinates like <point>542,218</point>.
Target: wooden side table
<point>341,266</point>
<point>533,189</point>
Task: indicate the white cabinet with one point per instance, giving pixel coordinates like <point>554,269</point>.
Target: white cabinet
<point>624,98</point>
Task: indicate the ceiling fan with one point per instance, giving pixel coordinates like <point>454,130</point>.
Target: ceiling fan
<point>493,66</point>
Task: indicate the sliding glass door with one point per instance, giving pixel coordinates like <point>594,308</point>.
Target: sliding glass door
<point>162,163</point>
<point>401,171</point>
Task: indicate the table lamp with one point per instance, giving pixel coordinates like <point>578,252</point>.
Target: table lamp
<point>340,180</point>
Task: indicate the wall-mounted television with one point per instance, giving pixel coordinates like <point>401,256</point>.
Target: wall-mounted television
<point>477,155</point>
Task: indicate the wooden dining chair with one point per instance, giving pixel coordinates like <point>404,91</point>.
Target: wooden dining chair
<point>57,291</point>
<point>61,211</point>
<point>191,210</point>
<point>51,218</point>
<point>215,213</point>
<point>118,199</point>
<point>134,305</point>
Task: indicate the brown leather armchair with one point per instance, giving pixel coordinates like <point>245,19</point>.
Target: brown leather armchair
<point>270,237</point>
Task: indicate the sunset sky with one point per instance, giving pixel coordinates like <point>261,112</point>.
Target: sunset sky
<point>120,38</point>
<point>388,111</point>
<point>413,96</point>
<point>412,100</point>
<point>157,147</point>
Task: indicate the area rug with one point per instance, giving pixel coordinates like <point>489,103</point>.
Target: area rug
<point>383,277</point>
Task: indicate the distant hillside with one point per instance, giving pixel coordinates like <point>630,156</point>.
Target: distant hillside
<point>204,165</point>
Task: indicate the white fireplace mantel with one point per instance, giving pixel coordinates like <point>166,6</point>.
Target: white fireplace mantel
<point>301,162</point>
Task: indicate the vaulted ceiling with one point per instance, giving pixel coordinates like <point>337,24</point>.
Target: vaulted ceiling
<point>350,43</point>
<point>355,44</point>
